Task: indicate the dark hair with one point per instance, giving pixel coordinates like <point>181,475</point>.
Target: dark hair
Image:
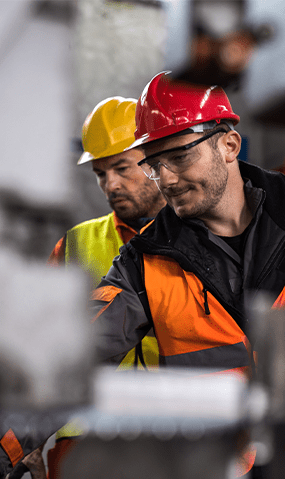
<point>213,140</point>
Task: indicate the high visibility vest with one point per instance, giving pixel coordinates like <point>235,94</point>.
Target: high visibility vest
<point>186,334</point>
<point>93,245</point>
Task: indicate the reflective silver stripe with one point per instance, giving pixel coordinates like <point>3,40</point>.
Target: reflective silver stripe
<point>225,357</point>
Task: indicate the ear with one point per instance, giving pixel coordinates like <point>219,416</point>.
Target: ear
<point>230,145</point>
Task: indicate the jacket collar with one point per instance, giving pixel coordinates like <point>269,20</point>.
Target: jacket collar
<point>273,183</point>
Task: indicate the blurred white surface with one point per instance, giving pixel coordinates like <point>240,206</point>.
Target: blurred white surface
<point>45,335</point>
<point>35,97</point>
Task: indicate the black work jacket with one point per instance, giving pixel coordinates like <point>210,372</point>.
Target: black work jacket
<point>196,250</point>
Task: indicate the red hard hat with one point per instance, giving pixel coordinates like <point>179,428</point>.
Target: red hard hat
<point>166,107</point>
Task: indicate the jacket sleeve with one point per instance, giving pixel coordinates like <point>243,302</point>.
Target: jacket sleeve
<point>32,433</point>
<point>14,448</point>
<point>118,317</point>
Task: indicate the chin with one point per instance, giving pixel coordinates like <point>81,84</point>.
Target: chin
<point>184,213</point>
<point>127,215</point>
<point>181,211</point>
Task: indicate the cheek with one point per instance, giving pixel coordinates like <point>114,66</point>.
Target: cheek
<point>137,180</point>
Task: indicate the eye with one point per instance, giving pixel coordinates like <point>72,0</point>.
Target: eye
<point>122,169</point>
<point>153,162</point>
<point>99,174</point>
<point>182,158</point>
<point>179,158</point>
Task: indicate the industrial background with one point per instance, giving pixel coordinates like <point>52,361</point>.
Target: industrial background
<point>58,59</point>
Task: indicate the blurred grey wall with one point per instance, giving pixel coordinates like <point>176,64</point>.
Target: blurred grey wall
<point>118,48</point>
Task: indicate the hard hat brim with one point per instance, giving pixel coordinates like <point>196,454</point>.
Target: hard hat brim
<point>85,158</point>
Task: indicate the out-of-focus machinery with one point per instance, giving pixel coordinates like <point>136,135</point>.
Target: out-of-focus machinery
<point>45,351</point>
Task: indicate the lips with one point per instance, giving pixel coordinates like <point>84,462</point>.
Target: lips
<point>117,199</point>
<point>175,194</point>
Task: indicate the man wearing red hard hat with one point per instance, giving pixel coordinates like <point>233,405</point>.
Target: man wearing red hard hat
<point>221,235</point>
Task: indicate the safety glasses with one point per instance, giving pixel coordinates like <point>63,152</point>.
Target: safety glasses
<point>176,159</point>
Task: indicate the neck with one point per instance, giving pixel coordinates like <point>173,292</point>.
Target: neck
<point>232,216</point>
<point>157,206</point>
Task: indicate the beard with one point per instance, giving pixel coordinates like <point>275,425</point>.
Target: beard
<point>193,204</point>
<point>140,204</point>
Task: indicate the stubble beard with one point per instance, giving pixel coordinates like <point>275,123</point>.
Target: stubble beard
<point>140,206</point>
<point>213,187</point>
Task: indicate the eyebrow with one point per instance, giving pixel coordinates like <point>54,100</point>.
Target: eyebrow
<point>117,163</point>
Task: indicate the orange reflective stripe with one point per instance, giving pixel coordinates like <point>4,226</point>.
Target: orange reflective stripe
<point>12,447</point>
<point>105,293</point>
<point>280,301</point>
<point>146,226</point>
<point>57,255</point>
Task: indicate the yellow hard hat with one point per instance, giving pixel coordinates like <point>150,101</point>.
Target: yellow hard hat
<point>108,129</point>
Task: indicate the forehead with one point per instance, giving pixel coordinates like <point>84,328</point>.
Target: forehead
<point>131,157</point>
<point>169,142</point>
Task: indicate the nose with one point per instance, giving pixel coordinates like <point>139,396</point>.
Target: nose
<point>167,177</point>
<point>112,182</point>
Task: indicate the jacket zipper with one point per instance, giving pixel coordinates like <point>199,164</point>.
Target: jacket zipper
<point>206,305</point>
<point>209,288</point>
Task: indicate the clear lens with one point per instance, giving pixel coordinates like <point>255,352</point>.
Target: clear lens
<point>152,172</point>
<point>176,159</point>
<point>176,162</point>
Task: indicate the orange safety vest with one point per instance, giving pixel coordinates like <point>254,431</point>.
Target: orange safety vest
<point>181,323</point>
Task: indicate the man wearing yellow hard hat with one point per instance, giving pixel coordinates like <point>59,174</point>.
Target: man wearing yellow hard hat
<point>107,131</point>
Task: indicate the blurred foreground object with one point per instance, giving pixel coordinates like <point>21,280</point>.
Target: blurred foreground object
<point>45,348</point>
<point>36,75</point>
<point>44,337</point>
<point>173,423</point>
<point>43,340</point>
<point>268,434</point>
